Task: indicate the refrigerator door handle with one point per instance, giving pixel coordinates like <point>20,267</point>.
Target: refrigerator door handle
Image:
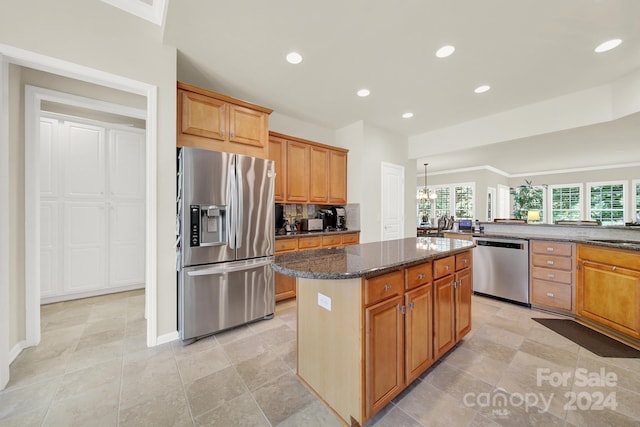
<point>240,210</point>
<point>223,270</point>
<point>232,197</point>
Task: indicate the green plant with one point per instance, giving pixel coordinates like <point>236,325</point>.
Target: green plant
<point>525,198</point>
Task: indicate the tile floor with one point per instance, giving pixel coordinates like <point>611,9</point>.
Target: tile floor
<point>92,368</point>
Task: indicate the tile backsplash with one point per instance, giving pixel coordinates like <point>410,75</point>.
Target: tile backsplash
<point>293,212</point>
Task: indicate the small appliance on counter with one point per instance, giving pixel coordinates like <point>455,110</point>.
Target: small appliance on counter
<point>340,217</point>
<point>329,218</point>
<point>312,224</point>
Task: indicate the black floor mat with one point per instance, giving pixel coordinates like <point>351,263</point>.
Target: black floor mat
<point>593,341</point>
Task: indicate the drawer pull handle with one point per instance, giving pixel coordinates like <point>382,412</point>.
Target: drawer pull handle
<point>551,276</point>
<point>550,263</point>
<point>447,267</point>
<point>549,249</point>
<point>387,287</point>
<point>466,261</point>
<point>614,268</point>
<point>421,276</point>
<point>550,294</point>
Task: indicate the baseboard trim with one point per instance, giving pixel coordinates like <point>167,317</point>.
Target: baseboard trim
<point>16,350</point>
<point>163,339</point>
<point>88,294</point>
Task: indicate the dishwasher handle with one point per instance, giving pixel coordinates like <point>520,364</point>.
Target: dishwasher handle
<point>500,244</point>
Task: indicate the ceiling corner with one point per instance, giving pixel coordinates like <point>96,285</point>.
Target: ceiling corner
<point>150,10</point>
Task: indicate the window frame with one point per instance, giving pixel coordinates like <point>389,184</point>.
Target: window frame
<point>582,204</point>
<point>452,196</point>
<point>625,190</point>
<point>635,200</point>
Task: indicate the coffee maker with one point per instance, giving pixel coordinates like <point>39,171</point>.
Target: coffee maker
<point>340,217</point>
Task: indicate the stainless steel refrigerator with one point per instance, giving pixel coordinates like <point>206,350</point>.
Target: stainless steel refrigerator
<point>226,241</point>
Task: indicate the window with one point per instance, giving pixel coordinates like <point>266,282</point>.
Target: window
<point>606,202</point>
<point>566,202</point>
<point>528,197</point>
<point>455,200</point>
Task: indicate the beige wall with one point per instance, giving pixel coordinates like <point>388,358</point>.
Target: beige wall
<point>95,35</point>
<point>485,178</point>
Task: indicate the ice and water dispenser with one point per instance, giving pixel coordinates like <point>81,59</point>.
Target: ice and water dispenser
<point>208,225</point>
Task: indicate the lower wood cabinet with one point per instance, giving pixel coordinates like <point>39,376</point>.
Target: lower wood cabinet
<point>551,266</point>
<point>608,288</point>
<point>286,285</point>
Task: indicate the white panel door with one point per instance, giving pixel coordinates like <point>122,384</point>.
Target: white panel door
<point>126,244</point>
<point>126,164</point>
<point>50,244</point>
<point>84,160</point>
<point>49,149</point>
<point>392,201</point>
<point>84,246</point>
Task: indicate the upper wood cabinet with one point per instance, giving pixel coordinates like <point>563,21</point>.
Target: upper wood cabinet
<point>213,121</point>
<point>308,172</point>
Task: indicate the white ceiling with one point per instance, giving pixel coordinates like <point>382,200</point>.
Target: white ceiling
<point>528,51</point>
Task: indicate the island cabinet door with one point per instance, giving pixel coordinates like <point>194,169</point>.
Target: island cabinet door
<point>444,315</point>
<point>463,303</point>
<point>384,355</point>
<point>419,331</point>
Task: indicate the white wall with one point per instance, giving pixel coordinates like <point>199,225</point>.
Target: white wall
<point>368,147</point>
<point>295,127</point>
<point>95,35</point>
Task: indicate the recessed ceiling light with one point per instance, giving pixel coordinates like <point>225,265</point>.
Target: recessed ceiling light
<point>407,115</point>
<point>445,51</point>
<point>364,92</point>
<point>481,89</point>
<point>608,45</point>
<point>294,58</point>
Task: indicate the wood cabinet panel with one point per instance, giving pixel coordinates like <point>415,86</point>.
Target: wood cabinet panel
<point>297,172</point>
<point>463,260</point>
<point>350,238</point>
<point>550,261</point>
<point>332,240</point>
<point>319,178</point>
<point>556,248</point>
<point>278,153</point>
<point>549,294</point>
<point>382,287</point>
<point>418,275</point>
<point>384,354</point>
<point>337,177</point>
<point>285,287</point>
<point>444,315</point>
<point>419,331</point>
<point>443,266</point>
<point>552,275</point>
<point>608,290</point>
<point>212,121</point>
<point>464,289</point>
<point>286,245</point>
<point>309,242</point>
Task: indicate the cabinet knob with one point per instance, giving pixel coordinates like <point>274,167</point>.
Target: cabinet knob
<point>549,249</point>
<point>550,262</point>
<point>614,268</point>
<point>421,276</point>
<point>411,305</point>
<point>466,261</point>
<point>447,267</point>
<point>387,287</point>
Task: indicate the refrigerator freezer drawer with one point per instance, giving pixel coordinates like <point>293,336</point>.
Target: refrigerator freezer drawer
<point>220,296</point>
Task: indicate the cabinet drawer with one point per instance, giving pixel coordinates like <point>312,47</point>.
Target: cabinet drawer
<point>350,238</point>
<point>286,245</point>
<point>332,240</point>
<point>309,242</point>
<point>551,275</point>
<point>443,266</point>
<point>463,260</point>
<point>382,287</point>
<point>555,248</point>
<point>550,294</point>
<point>418,275</point>
<point>551,261</point>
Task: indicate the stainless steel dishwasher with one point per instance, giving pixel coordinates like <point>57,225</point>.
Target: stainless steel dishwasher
<point>501,268</point>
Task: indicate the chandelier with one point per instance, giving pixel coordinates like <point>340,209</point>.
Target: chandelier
<point>427,193</point>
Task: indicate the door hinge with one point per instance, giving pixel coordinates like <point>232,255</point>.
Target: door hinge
<point>411,305</point>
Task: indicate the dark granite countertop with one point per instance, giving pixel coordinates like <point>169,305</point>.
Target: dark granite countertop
<point>367,259</point>
<point>290,234</point>
<point>606,242</point>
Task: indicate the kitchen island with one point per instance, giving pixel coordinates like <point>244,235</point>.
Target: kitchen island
<point>373,317</point>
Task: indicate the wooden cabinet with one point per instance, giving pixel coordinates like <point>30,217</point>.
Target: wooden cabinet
<point>552,275</point>
<point>310,172</point>
<point>212,121</point>
<point>452,289</point>
<point>285,286</point>
<point>278,153</point>
<point>608,288</point>
<point>419,353</point>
